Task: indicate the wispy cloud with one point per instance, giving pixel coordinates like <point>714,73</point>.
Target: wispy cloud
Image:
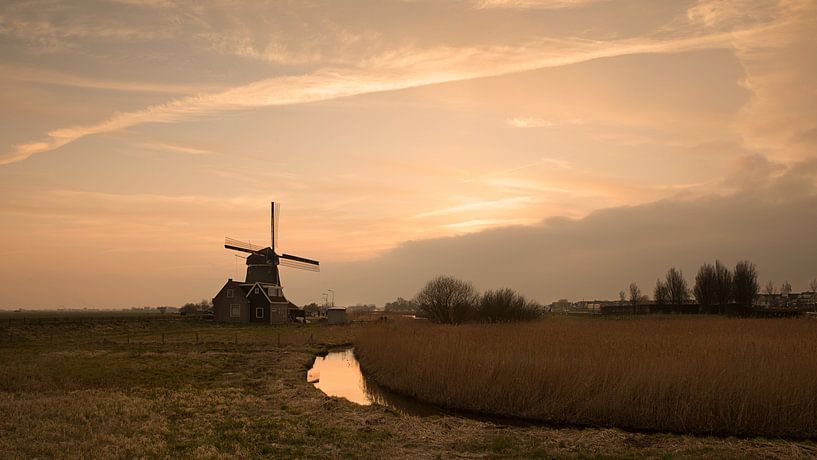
<point>541,161</point>
<point>479,224</point>
<point>386,73</point>
<point>504,203</point>
<point>533,4</point>
<point>176,149</point>
<point>29,74</point>
<point>534,122</point>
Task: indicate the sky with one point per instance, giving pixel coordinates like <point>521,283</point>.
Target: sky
<point>564,148</point>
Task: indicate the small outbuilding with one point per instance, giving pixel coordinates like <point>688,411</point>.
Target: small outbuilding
<point>336,315</point>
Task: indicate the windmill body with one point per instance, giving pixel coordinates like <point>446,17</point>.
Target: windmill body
<point>260,297</point>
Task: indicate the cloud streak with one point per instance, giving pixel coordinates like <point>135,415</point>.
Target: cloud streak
<point>390,72</point>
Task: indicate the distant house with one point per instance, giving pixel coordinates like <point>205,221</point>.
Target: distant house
<point>257,302</point>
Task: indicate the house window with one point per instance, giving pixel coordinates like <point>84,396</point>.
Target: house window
<point>259,312</point>
<point>235,310</point>
<point>274,291</point>
<point>256,290</point>
<point>229,292</point>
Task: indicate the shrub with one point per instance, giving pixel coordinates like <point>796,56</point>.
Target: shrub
<point>505,305</point>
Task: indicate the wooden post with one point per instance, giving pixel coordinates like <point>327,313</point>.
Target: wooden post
<point>197,338</point>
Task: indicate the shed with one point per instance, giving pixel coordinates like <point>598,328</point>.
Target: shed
<point>336,315</point>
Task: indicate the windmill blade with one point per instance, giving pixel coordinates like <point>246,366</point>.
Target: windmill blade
<point>300,259</point>
<point>237,245</point>
<point>299,265</point>
<point>275,210</point>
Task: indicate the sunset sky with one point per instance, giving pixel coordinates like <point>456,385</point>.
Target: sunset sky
<point>560,147</point>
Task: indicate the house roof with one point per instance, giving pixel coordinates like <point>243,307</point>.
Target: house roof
<point>249,288</point>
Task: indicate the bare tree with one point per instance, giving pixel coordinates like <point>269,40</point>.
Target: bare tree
<point>724,291</point>
<point>745,283</point>
<point>635,294</point>
<point>622,296</point>
<point>706,285</point>
<point>661,293</point>
<point>770,288</point>
<point>785,288</point>
<point>813,286</point>
<point>446,299</point>
<point>677,286</point>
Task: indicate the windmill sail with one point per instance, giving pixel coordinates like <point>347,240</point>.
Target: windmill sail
<point>274,217</point>
<point>300,265</point>
<point>237,245</point>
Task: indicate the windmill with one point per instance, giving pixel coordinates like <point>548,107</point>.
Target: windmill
<point>263,262</point>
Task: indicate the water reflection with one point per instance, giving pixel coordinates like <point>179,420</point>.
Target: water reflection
<point>338,374</point>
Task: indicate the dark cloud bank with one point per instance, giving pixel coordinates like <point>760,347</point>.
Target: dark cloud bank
<point>771,219</point>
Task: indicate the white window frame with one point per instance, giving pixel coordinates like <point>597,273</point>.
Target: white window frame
<point>235,307</point>
<point>261,311</point>
<point>229,293</point>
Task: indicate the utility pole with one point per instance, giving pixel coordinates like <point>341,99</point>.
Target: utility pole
<point>332,302</point>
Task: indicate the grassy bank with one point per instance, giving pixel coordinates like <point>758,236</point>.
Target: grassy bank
<point>687,375</point>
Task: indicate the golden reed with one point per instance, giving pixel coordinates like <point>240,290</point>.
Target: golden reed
<point>700,375</point>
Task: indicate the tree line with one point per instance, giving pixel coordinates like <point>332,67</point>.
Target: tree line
<point>449,300</point>
<point>716,286</point>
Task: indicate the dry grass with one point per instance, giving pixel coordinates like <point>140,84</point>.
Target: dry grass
<point>687,375</point>
<point>82,391</point>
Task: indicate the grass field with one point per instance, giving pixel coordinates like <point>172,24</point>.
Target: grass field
<point>112,389</point>
<point>682,374</point>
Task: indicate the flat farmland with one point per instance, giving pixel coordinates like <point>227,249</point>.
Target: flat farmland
<point>148,388</point>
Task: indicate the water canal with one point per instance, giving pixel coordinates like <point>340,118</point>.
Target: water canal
<point>338,374</point>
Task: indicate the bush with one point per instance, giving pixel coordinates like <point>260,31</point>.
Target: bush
<point>505,305</point>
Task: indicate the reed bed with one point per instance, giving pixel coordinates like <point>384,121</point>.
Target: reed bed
<point>704,375</point>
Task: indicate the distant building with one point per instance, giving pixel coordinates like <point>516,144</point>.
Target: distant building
<point>336,315</point>
<point>560,305</point>
<point>789,300</point>
<point>257,302</point>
